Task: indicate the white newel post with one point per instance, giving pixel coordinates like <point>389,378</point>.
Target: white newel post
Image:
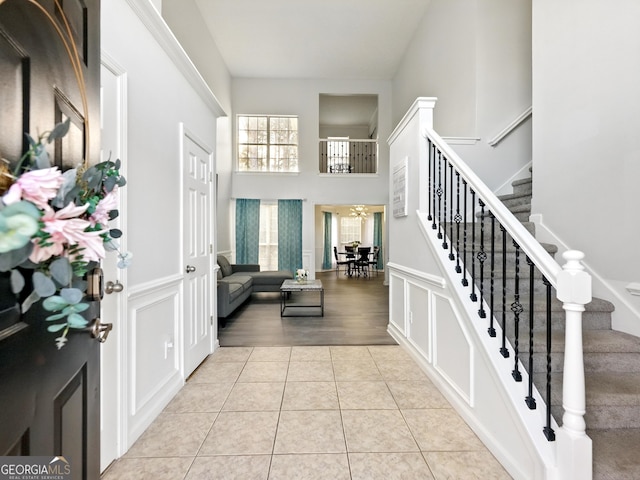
<point>574,448</point>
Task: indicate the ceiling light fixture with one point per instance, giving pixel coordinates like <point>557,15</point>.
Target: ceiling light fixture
<point>359,211</point>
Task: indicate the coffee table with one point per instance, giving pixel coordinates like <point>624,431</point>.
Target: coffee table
<point>308,286</point>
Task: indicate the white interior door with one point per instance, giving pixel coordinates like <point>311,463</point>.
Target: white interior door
<point>113,304</point>
<point>198,185</point>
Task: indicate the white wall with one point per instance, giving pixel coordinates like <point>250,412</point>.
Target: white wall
<point>586,149</point>
<point>185,20</point>
<point>475,57</point>
<point>161,96</point>
<point>301,98</point>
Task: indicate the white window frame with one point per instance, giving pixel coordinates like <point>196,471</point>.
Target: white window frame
<point>269,147</point>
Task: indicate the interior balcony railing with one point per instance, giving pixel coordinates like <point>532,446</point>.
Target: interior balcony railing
<point>348,156</point>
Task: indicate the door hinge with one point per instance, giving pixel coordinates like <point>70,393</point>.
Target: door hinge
<point>211,248</point>
<point>211,317</point>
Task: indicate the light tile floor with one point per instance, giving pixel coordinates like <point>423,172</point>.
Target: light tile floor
<point>351,412</point>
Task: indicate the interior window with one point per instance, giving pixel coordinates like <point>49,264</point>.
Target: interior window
<point>267,143</point>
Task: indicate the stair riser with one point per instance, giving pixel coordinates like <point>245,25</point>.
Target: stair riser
<point>593,362</point>
<point>523,188</point>
<point>606,417</point>
<point>516,201</point>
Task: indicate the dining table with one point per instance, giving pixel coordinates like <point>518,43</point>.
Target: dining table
<point>353,268</point>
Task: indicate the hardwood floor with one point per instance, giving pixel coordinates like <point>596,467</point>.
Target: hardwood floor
<point>356,313</point>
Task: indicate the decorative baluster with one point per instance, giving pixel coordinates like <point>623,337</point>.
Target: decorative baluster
<point>492,330</point>
<point>443,221</point>
<point>433,190</point>
<point>516,308</point>
<point>531,402</point>
<point>430,189</point>
<point>473,296</point>
<point>482,256</point>
<point>465,282</point>
<point>548,431</point>
<point>458,219</point>
<point>439,193</point>
<point>503,350</point>
<point>451,255</point>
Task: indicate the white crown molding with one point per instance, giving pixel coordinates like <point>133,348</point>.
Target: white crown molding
<point>155,24</point>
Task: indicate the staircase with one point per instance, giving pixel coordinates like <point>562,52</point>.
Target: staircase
<point>612,370</point>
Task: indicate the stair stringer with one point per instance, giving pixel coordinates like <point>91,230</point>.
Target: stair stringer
<point>498,413</point>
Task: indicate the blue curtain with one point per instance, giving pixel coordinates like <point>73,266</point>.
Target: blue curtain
<point>247,230</point>
<point>377,236</point>
<point>327,257</point>
<point>289,235</point>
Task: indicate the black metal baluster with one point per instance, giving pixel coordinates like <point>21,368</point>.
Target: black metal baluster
<point>503,350</point>
<point>430,216</point>
<point>439,193</point>
<point>433,191</point>
<point>444,211</point>
<point>516,308</point>
<point>531,402</point>
<point>465,282</point>
<point>473,296</point>
<point>492,330</point>
<point>482,256</point>
<point>548,431</point>
<point>458,219</point>
<point>451,255</point>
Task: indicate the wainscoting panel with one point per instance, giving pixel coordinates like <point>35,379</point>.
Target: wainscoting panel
<point>397,303</point>
<point>419,322</point>
<point>455,364</point>
<point>155,354</point>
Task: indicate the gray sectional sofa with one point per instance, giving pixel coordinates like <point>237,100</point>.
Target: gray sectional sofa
<point>236,283</point>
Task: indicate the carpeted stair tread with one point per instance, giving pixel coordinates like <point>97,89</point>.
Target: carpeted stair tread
<point>615,454</point>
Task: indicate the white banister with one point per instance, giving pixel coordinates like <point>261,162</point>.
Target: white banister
<point>574,446</point>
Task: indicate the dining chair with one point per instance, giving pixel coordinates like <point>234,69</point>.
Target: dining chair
<point>339,262</point>
<point>374,260</point>
<point>362,262</point>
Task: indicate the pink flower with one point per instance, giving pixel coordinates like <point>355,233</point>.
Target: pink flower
<point>105,205</point>
<point>36,186</point>
<point>65,230</point>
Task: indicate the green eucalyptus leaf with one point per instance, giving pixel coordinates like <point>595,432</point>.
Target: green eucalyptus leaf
<point>56,328</point>
<point>41,157</point>
<point>61,270</point>
<point>56,316</point>
<point>54,303</point>
<point>60,130</point>
<point>17,281</point>
<point>115,233</point>
<point>76,321</point>
<point>68,185</point>
<point>117,164</point>
<point>23,207</point>
<point>79,284</point>
<point>71,295</point>
<point>79,307</point>
<point>110,183</point>
<point>13,258</point>
<point>30,300</point>
<point>43,284</point>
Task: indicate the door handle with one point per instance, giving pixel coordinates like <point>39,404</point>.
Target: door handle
<point>111,287</point>
<point>100,331</point>
<point>190,269</point>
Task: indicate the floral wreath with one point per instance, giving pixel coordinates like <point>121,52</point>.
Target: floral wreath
<point>56,225</point>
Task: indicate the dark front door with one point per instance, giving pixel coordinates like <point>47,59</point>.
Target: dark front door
<point>49,71</point>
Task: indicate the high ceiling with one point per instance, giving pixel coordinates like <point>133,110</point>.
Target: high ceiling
<point>346,39</point>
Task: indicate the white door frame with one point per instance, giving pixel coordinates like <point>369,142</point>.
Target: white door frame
<point>114,385</point>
